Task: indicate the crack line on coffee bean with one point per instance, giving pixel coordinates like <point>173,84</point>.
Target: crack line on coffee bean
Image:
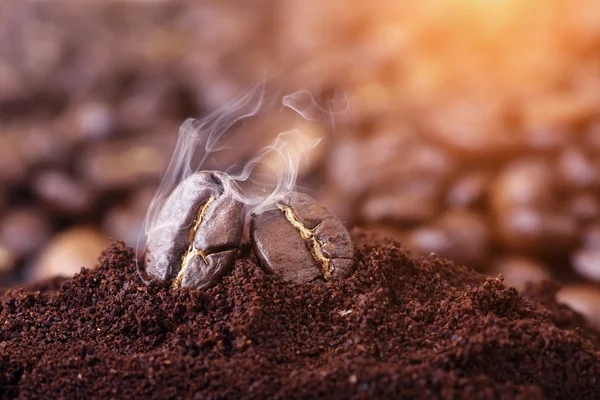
<point>192,250</point>
<point>316,246</point>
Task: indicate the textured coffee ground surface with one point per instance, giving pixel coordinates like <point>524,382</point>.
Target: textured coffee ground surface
<point>423,328</point>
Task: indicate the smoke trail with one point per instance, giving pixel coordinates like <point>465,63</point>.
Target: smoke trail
<point>282,159</point>
<point>195,134</point>
<point>304,103</point>
<point>267,178</point>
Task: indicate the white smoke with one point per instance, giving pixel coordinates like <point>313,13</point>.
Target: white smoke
<point>266,178</point>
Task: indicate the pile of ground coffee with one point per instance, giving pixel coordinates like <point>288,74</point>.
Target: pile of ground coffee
<point>422,328</point>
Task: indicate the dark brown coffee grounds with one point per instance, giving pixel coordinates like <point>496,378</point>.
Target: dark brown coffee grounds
<point>419,328</point>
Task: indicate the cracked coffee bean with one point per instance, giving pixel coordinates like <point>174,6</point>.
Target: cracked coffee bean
<point>302,241</point>
<point>196,237</point>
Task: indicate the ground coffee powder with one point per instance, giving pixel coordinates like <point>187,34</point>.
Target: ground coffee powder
<point>420,328</point>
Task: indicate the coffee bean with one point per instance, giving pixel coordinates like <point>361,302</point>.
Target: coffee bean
<point>586,262</point>
<point>121,164</point>
<point>69,251</point>
<point>468,190</point>
<point>23,231</point>
<point>12,86</point>
<point>348,168</point>
<point>62,194</point>
<point>474,127</point>
<point>530,230</point>
<point>519,271</point>
<point>302,241</point>
<point>462,236</point>
<point>412,201</point>
<point>428,239</point>
<point>13,166</point>
<point>3,199</point>
<point>196,236</point>
<point>583,298</point>
<point>584,207</point>
<point>545,138</point>
<point>591,137</point>
<point>92,120</point>
<point>576,169</point>
<point>42,146</point>
<point>469,234</point>
<point>425,160</point>
<point>558,110</point>
<point>149,98</point>
<point>7,261</point>
<point>527,181</point>
<point>591,237</point>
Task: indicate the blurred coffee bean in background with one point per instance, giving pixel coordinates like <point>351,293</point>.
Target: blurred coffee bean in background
<point>62,195</point>
<point>24,230</point>
<point>584,299</point>
<point>462,236</point>
<point>519,271</point>
<point>469,190</point>
<point>67,252</point>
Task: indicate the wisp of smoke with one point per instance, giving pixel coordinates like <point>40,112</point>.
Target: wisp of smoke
<point>304,103</point>
<point>282,158</point>
<point>278,162</point>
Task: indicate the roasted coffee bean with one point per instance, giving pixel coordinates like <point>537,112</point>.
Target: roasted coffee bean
<point>591,137</point>
<point>7,261</point>
<point>468,190</point>
<point>527,181</point>
<point>519,271</point>
<point>121,164</point>
<point>584,207</point>
<point>583,298</point>
<point>62,194</point>
<point>474,127</point>
<point>12,86</point>
<point>586,262</point>
<point>196,237</point>
<point>558,110</point>
<point>3,199</point>
<point>302,241</point>
<point>149,99</point>
<point>529,230</point>
<point>92,120</point>
<point>591,237</point>
<point>13,165</point>
<point>43,146</point>
<point>576,169</point>
<point>66,253</point>
<point>545,138</point>
<point>349,170</point>
<point>460,235</point>
<point>23,231</point>
<point>412,201</point>
<point>428,239</point>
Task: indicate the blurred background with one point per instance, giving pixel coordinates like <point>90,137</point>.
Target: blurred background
<point>473,129</point>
